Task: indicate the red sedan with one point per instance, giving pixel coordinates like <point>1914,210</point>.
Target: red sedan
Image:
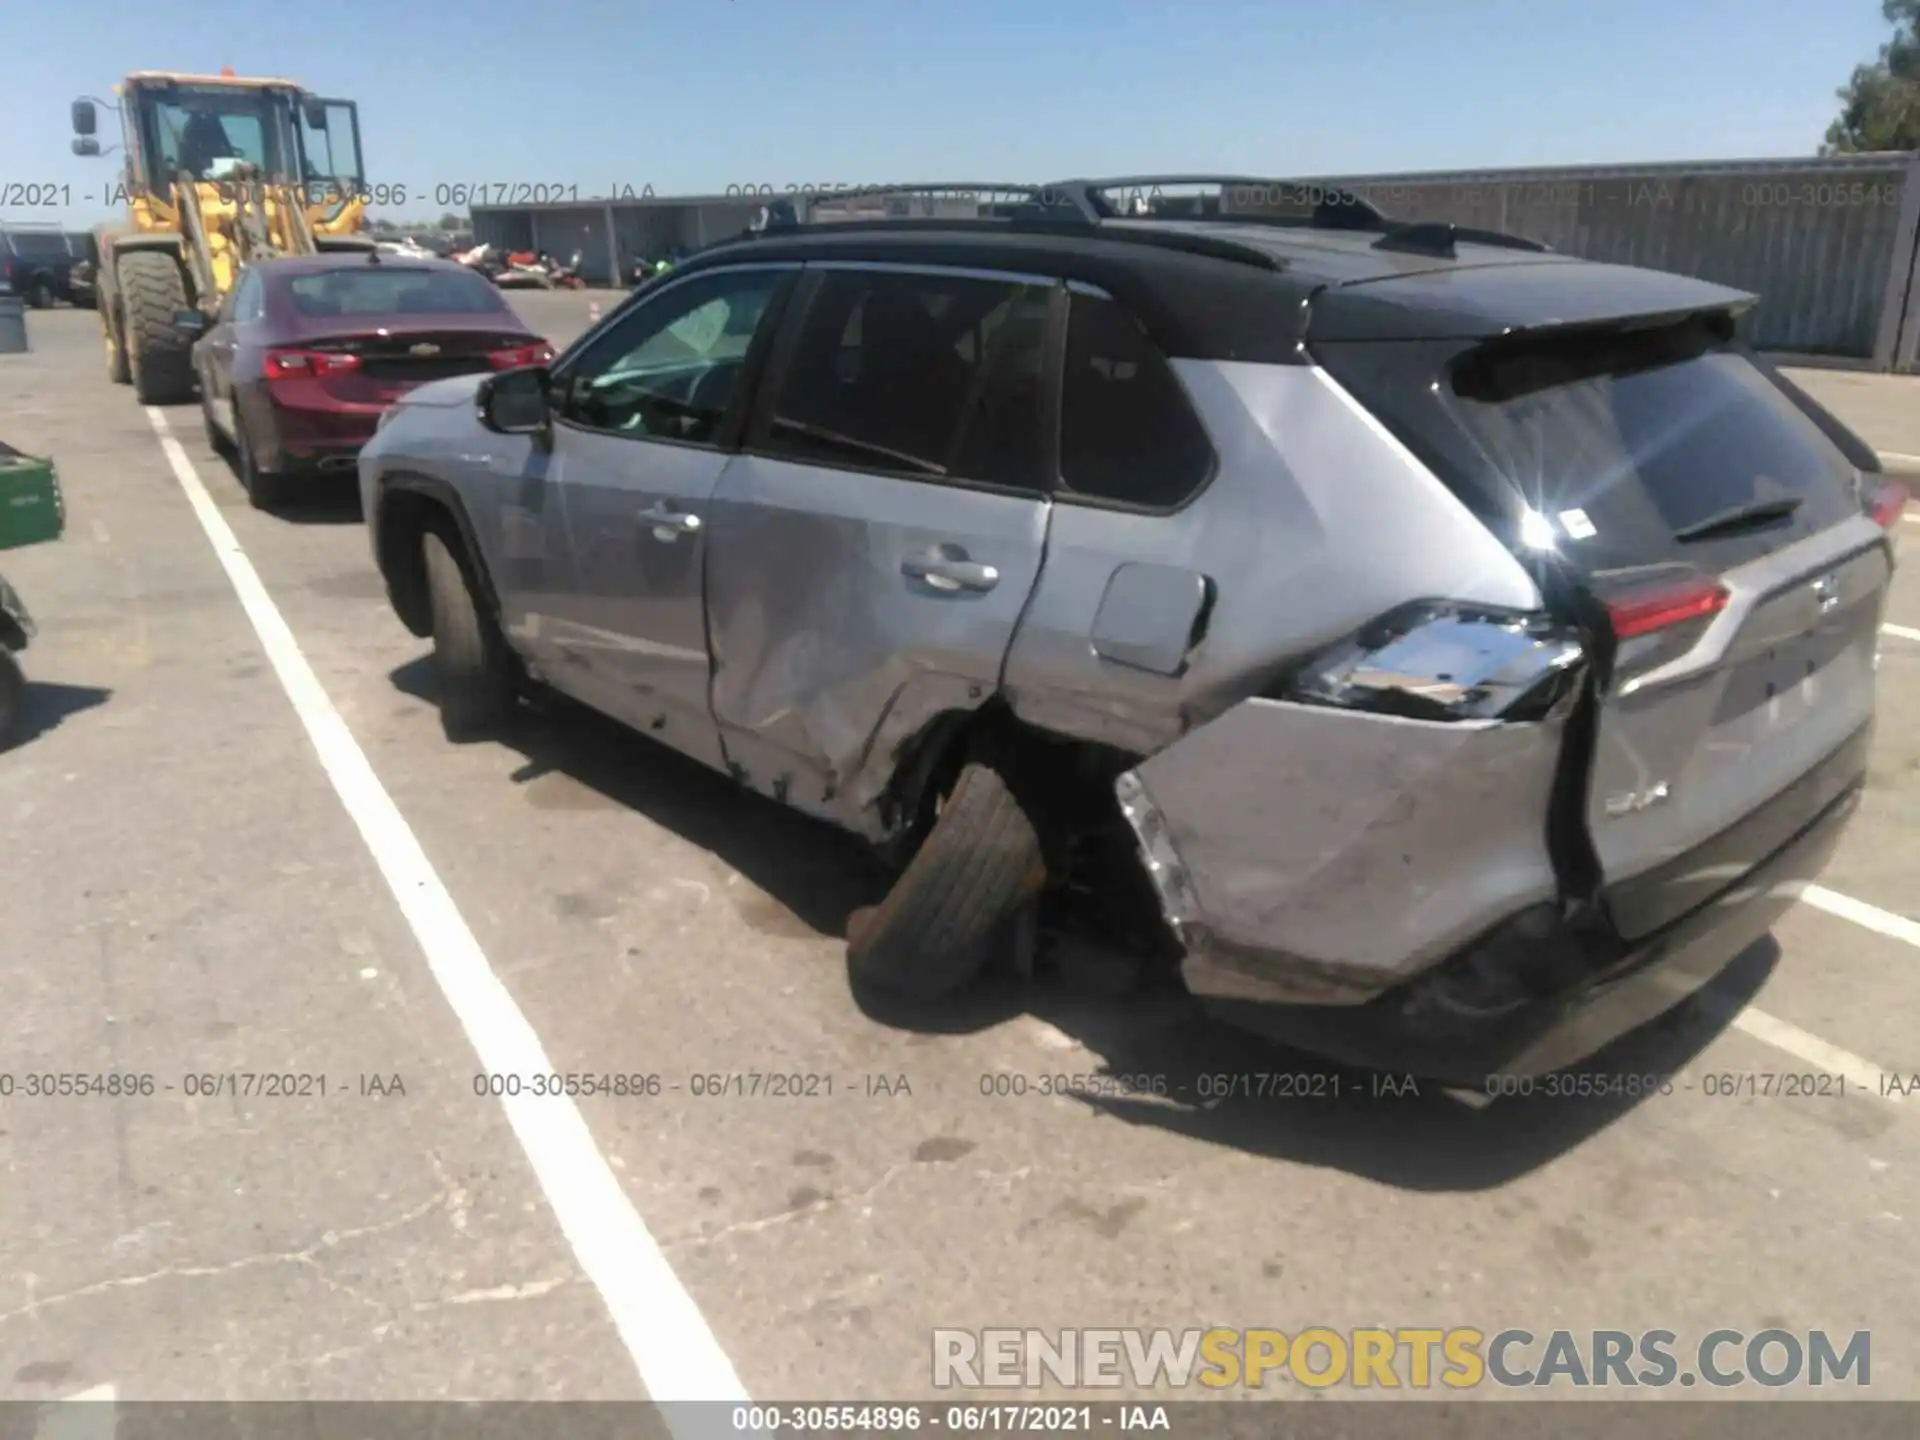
<point>307,352</point>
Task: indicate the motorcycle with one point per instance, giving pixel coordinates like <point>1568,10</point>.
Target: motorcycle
<point>567,276</point>
<point>524,271</point>
<point>16,630</point>
<point>482,260</point>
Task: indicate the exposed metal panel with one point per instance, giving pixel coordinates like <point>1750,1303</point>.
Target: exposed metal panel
<point>1824,242</point>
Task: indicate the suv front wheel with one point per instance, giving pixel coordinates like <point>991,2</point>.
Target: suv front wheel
<point>979,866</point>
<point>469,655</point>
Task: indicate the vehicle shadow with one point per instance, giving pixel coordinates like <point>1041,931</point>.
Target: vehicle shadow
<point>44,705</point>
<point>1208,1082</point>
<point>330,501</point>
<point>814,870</point>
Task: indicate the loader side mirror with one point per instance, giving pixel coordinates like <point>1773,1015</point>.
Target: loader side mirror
<point>189,322</point>
<point>315,113</point>
<point>85,145</point>
<point>85,120</point>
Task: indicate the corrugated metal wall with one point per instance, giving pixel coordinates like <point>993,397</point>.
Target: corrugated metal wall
<point>1828,244</point>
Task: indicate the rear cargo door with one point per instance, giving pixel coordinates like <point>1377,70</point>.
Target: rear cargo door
<point>1724,533</point>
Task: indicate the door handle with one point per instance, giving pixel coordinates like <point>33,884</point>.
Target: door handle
<point>668,525</point>
<point>950,573</point>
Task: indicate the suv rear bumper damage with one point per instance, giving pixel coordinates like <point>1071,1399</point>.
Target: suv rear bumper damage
<point>1532,994</point>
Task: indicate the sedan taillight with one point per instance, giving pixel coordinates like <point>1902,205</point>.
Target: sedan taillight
<point>308,364</point>
<point>513,357</point>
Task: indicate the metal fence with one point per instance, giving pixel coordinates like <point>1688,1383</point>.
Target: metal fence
<point>1828,244</point>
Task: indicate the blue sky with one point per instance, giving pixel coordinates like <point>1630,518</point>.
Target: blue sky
<point>700,94</point>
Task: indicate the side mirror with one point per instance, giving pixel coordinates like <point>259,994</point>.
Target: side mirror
<point>190,322</point>
<point>85,145</point>
<point>316,115</point>
<point>85,119</point>
<point>514,402</point>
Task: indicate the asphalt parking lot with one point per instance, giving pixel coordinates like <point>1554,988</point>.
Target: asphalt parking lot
<point>194,884</point>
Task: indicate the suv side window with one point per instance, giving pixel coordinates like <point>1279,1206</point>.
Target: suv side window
<point>1127,431</point>
<point>670,369</point>
<point>929,376</point>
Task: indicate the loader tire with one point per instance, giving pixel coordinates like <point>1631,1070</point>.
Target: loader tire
<point>117,369</point>
<point>979,866</point>
<point>158,355</point>
<point>469,655</point>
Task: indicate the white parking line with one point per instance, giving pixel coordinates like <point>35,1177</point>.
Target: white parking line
<point>1830,1059</point>
<point>1871,917</point>
<point>672,1347</point>
<point>1905,632</point>
<point>1894,457</point>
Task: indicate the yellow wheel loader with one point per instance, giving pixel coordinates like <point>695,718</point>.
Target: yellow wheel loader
<point>220,171</point>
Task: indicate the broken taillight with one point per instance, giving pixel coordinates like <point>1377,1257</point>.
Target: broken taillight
<point>1439,660</point>
<point>1888,503</point>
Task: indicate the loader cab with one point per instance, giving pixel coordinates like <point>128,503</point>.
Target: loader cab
<point>214,127</point>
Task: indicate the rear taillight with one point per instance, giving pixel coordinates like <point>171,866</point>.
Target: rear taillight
<point>1436,660</point>
<point>308,364</point>
<point>1663,606</point>
<point>1888,503</point>
<point>515,356</point>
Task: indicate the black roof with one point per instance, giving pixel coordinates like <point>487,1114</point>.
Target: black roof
<point>1226,287</point>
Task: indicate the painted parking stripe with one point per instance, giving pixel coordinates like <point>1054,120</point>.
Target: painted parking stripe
<point>673,1348</point>
<point>1871,917</point>
<point>1805,1046</point>
<point>1894,457</point>
<point>1905,632</point>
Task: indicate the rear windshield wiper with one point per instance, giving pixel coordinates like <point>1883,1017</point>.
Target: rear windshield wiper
<point>1739,517</point>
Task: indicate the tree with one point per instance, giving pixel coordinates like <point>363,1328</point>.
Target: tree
<point>451,221</point>
<point>1880,106</point>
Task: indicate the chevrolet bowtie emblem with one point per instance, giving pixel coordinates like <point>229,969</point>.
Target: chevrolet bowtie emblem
<point>424,350</point>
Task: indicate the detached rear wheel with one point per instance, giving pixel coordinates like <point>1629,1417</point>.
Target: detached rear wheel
<point>159,356</point>
<point>980,865</point>
<point>469,654</point>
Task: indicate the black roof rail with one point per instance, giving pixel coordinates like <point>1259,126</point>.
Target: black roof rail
<point>1182,240</point>
<point>1438,238</point>
<point>980,192</point>
<point>1337,209</point>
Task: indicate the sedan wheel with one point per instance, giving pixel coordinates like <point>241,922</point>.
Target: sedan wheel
<point>265,489</point>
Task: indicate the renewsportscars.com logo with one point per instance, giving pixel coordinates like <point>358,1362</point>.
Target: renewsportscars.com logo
<point>1459,1358</point>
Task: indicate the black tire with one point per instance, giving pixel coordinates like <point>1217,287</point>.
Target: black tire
<point>980,864</point>
<point>159,356</point>
<point>266,489</point>
<point>469,655</point>
<point>40,293</point>
<point>114,326</point>
<point>12,683</point>
<point>216,439</point>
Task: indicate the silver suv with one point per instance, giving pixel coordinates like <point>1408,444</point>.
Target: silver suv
<point>1468,646</point>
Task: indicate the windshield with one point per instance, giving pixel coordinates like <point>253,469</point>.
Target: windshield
<point>211,130</point>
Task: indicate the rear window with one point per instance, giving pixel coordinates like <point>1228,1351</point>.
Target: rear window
<point>393,290</point>
<point>1625,442</point>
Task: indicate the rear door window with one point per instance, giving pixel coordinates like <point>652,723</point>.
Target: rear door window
<point>1128,434</point>
<point>932,376</point>
<point>1630,445</point>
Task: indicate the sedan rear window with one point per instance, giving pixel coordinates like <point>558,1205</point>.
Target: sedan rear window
<point>1662,445</point>
<point>393,290</point>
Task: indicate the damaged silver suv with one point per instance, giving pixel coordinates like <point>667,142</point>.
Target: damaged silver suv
<point>1462,648</point>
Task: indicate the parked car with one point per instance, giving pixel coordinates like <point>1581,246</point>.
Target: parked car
<point>306,353</point>
<point>80,289</point>
<point>1464,647</point>
<point>36,262</point>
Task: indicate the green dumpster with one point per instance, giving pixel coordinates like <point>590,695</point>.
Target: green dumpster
<point>31,510</point>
